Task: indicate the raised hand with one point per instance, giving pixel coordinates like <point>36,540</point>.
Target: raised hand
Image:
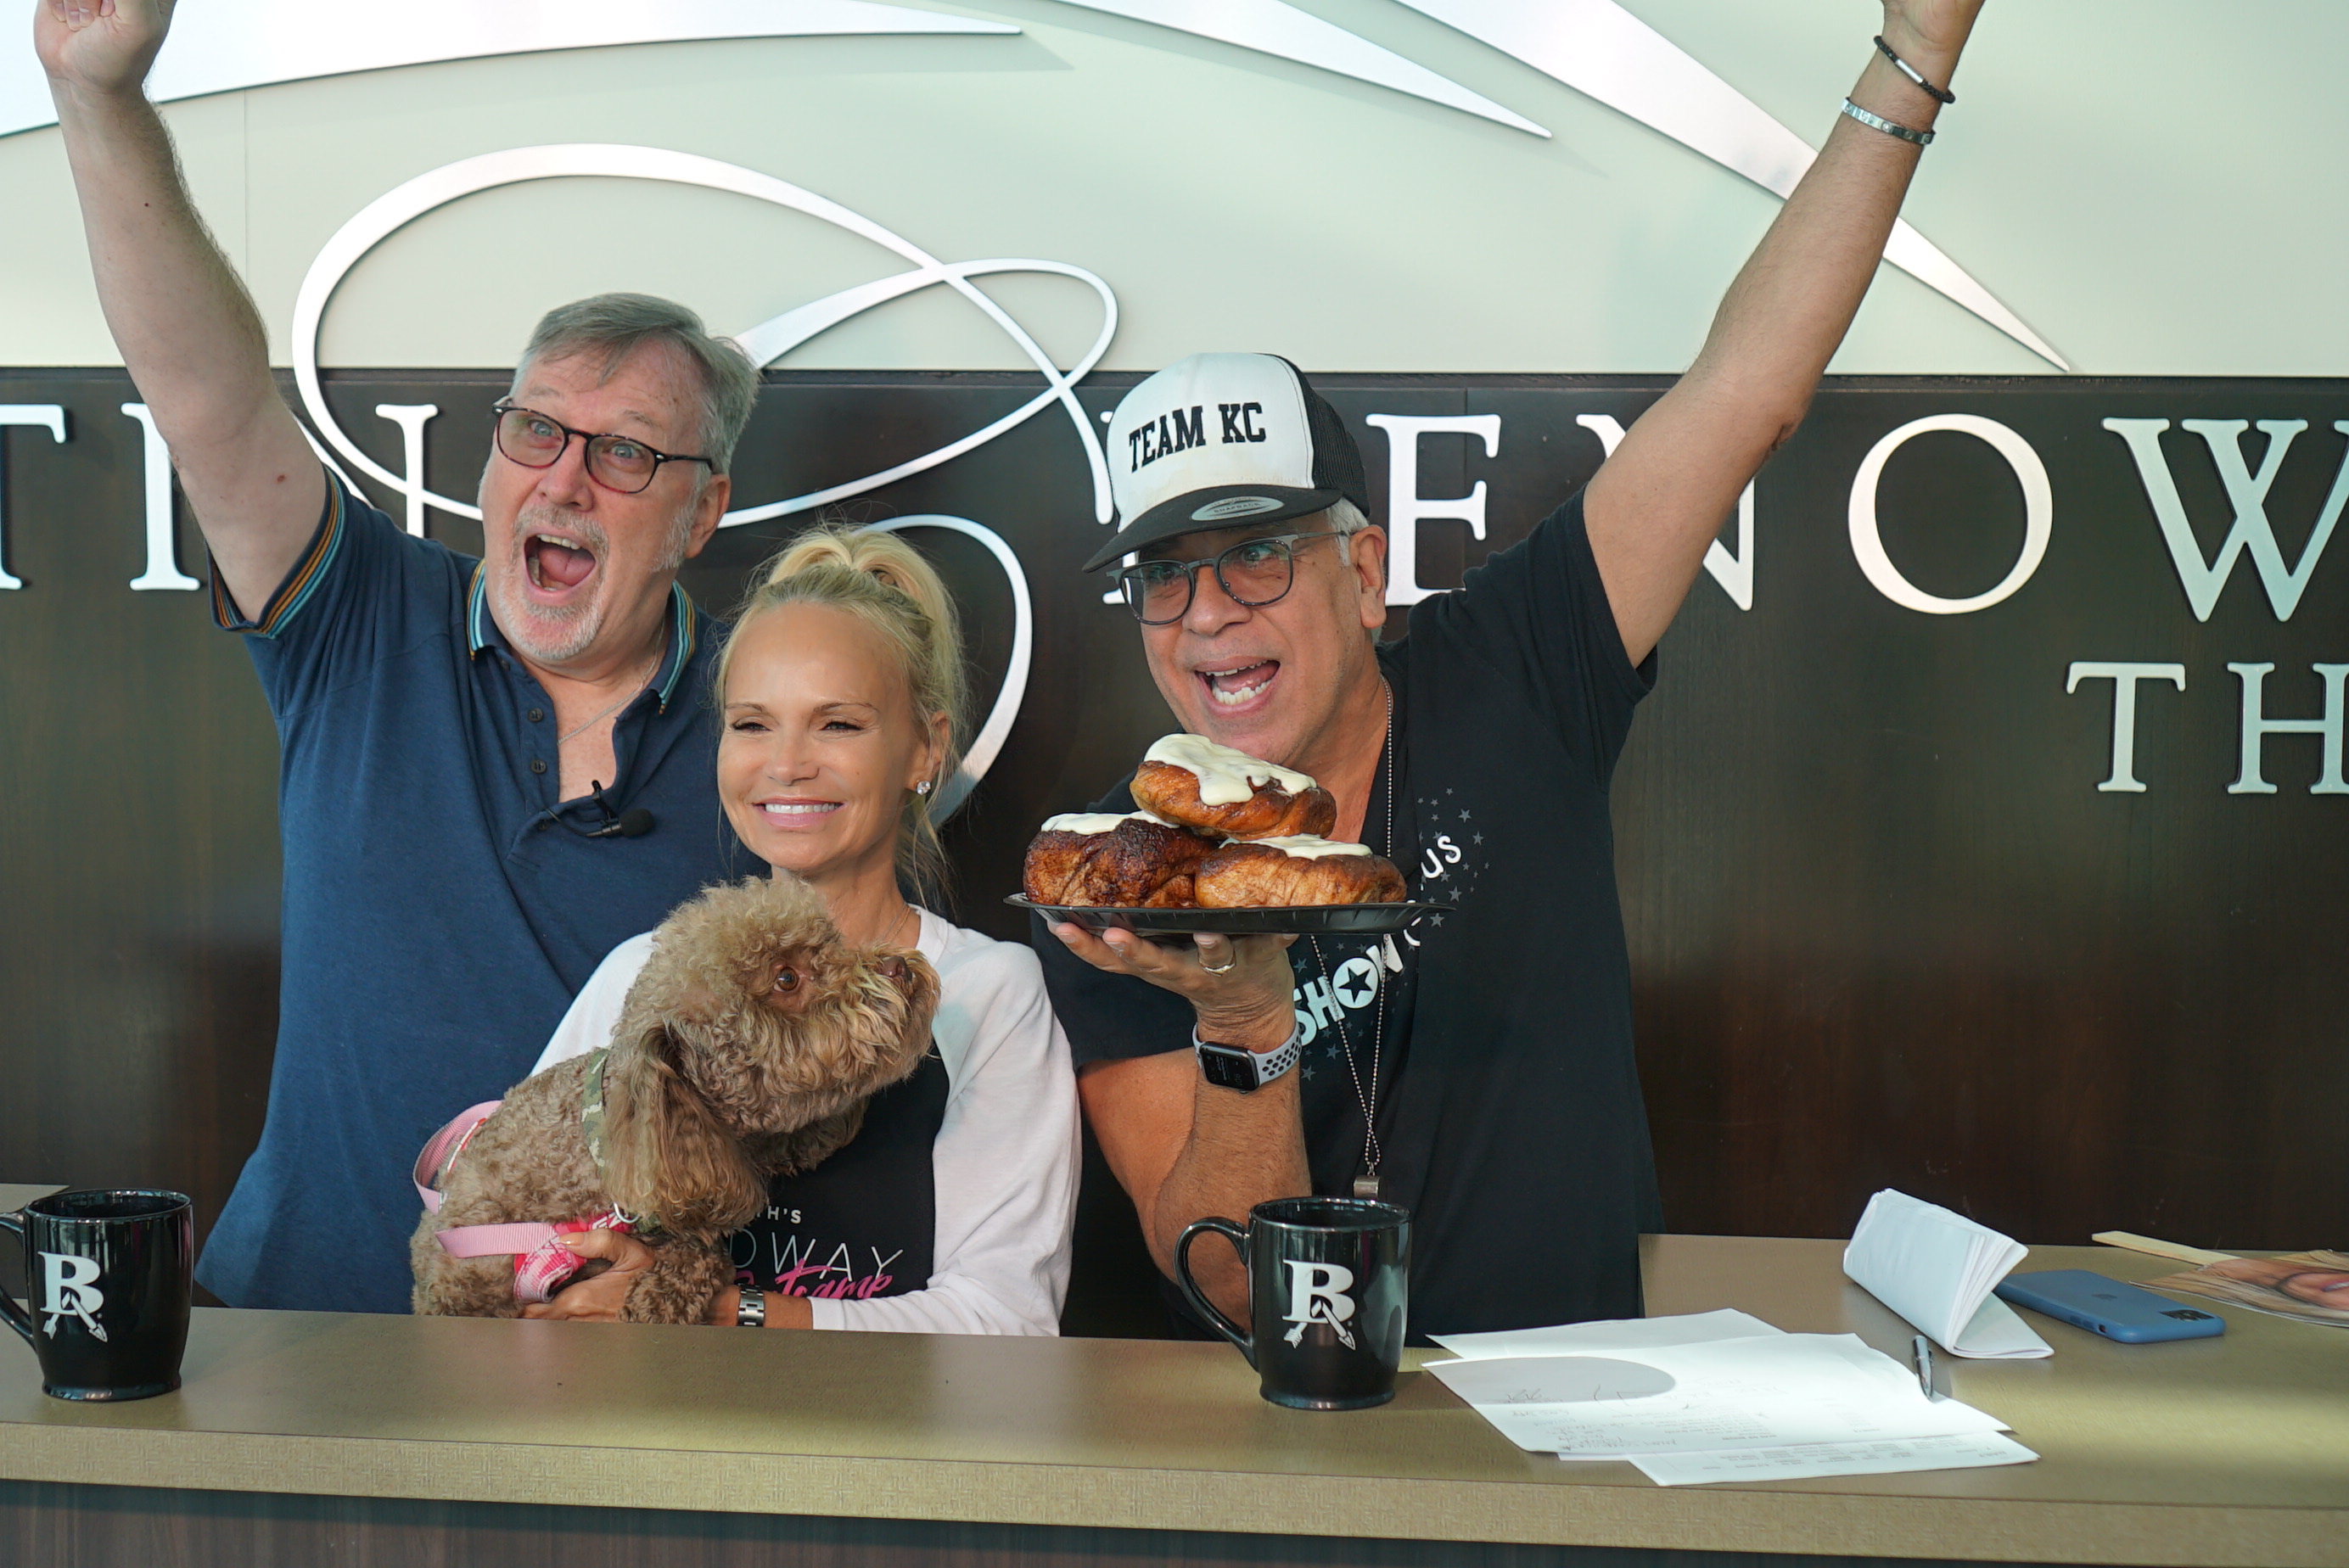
<point>100,47</point>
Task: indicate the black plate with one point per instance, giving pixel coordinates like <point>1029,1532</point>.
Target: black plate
<point>1301,920</point>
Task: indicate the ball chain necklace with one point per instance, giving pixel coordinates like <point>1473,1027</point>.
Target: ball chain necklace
<point>1366,1185</point>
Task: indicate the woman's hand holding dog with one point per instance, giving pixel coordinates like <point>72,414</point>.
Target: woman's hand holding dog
<point>600,1297</point>
<point>597,1297</point>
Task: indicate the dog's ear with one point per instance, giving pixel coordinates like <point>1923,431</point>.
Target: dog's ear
<point>668,1158</point>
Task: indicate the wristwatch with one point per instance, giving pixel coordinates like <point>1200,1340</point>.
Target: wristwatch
<point>750,1311</point>
<point>1229,1067</point>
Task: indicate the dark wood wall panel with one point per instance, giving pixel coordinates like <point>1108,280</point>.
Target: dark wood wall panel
<point>1885,930</point>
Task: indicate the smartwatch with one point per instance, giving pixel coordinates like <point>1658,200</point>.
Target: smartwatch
<point>1229,1067</point>
<point>750,1312</point>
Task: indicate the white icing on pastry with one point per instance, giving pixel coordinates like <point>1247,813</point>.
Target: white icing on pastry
<point>1226,776</point>
<point>1091,822</point>
<point>1306,847</point>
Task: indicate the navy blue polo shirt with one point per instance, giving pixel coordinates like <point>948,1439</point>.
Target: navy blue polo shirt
<point>437,922</point>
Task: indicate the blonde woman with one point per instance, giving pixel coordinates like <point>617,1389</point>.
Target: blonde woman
<point>838,690</point>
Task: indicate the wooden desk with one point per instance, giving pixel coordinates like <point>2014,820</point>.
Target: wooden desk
<point>2226,1451</point>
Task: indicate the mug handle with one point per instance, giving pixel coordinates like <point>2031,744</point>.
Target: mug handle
<point>1224,1325</point>
<point>18,1318</point>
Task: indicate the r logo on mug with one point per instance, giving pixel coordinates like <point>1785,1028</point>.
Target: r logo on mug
<point>69,1285</point>
<point>1316,1293</point>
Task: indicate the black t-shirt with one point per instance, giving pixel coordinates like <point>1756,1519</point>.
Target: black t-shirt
<point>864,1223</point>
<point>1508,1113</point>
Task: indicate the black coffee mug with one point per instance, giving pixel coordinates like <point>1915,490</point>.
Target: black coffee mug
<point>110,1275</point>
<point>1328,1288</point>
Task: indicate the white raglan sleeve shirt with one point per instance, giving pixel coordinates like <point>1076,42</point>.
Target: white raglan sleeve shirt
<point>1005,1161</point>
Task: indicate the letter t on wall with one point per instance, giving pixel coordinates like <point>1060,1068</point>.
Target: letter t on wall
<point>2124,677</point>
<point>50,416</point>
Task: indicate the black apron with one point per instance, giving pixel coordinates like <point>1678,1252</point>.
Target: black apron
<point>865,1222</point>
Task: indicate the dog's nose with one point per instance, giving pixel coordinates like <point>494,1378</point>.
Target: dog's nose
<point>894,966</point>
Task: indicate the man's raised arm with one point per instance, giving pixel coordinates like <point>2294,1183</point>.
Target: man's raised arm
<point>1656,504</point>
<point>188,332</point>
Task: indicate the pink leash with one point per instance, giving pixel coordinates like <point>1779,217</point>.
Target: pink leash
<point>440,1151</point>
<point>541,1265</point>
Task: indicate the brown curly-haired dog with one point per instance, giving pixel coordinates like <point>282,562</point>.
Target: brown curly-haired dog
<point>747,1047</point>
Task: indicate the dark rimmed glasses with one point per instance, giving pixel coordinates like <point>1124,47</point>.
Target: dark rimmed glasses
<point>619,463</point>
<point>1253,572</point>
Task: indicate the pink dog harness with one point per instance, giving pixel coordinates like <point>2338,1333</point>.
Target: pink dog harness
<point>542,1264</point>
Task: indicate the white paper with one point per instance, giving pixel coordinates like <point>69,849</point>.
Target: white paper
<point>1937,1269</point>
<point>1882,1458</point>
<point>1614,1333</point>
<point>1765,1392</point>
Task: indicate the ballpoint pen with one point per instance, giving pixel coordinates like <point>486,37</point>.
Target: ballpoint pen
<point>1921,1350</point>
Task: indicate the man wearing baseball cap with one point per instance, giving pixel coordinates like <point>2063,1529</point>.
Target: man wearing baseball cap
<point>1480,1071</point>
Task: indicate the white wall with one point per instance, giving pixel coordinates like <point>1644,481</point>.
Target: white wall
<point>2154,187</point>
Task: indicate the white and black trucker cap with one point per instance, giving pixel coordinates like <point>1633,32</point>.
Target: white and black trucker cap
<point>1223,439</point>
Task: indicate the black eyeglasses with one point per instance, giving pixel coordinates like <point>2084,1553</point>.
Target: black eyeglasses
<point>619,463</point>
<point>1253,572</point>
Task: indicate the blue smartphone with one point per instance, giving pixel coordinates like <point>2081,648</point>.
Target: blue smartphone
<point>2108,1308</point>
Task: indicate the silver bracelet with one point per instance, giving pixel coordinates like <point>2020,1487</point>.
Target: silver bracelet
<point>750,1311</point>
<point>1939,95</point>
<point>1877,122</point>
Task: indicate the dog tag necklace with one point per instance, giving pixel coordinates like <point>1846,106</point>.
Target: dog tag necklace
<point>1366,1185</point>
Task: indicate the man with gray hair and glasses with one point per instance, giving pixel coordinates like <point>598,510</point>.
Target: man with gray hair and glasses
<point>491,772</point>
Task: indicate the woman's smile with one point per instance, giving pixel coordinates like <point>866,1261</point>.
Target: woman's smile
<point>796,811</point>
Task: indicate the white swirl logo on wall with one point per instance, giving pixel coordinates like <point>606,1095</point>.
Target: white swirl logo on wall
<point>765,343</point>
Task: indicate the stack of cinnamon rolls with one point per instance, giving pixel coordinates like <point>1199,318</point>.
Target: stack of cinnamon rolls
<point>1217,829</point>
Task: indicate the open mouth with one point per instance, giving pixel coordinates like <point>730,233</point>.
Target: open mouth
<point>557,562</point>
<point>1241,684</point>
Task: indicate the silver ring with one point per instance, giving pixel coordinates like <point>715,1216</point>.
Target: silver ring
<point>1214,970</point>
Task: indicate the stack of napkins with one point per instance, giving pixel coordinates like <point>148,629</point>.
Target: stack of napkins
<point>1937,1269</point>
<point>1716,1395</point>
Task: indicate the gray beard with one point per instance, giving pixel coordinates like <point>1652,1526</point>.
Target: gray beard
<point>540,635</point>
<point>543,636</point>
<point>557,637</point>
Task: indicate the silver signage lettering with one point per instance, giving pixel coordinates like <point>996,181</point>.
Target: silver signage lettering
<point>1733,573</point>
<point>2257,727</point>
<point>50,416</point>
<point>411,419</point>
<point>2124,677</point>
<point>1405,507</point>
<point>162,551</point>
<point>2247,494</point>
<point>2038,514</point>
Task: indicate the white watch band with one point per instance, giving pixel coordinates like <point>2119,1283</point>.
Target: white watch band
<point>1269,1065</point>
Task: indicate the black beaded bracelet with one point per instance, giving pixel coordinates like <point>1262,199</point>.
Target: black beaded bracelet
<point>1906,69</point>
